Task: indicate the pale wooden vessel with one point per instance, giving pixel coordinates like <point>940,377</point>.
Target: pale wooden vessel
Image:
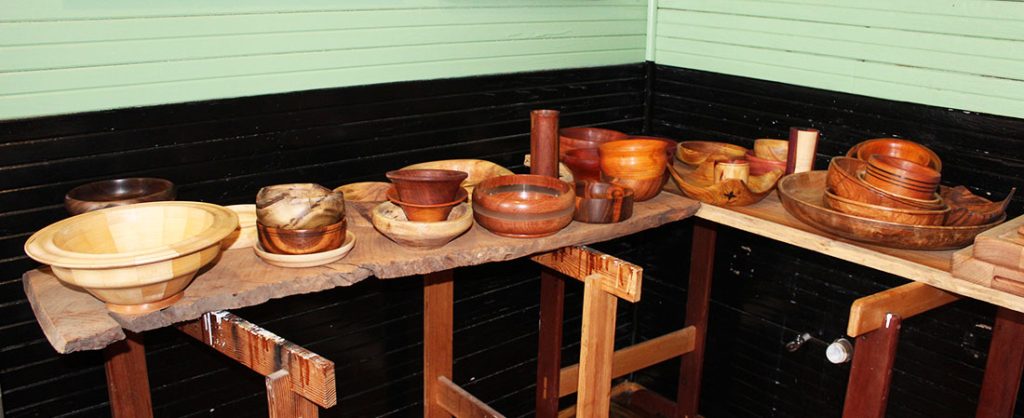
<point>390,220</point>
<point>136,258</point>
<point>245,235</point>
<point>365,191</point>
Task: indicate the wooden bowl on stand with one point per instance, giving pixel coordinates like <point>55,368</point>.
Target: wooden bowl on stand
<point>427,213</point>
<point>523,205</point>
<point>427,186</point>
<point>119,192</point>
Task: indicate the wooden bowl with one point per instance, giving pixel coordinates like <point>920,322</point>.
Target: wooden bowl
<point>901,177</point>
<point>301,241</point>
<point>772,149</point>
<point>638,164</point>
<point>696,152</point>
<point>307,260</point>
<point>760,166</point>
<point>136,258</point>
<point>245,235</point>
<point>585,163</point>
<point>899,148</point>
<point>699,184</point>
<point>427,186</point>
<point>390,220</point>
<point>365,191</point>
<point>602,203</point>
<point>845,178</point>
<point>427,213</point>
<point>882,213</point>
<point>109,193</point>
<point>478,170</point>
<point>585,137</point>
<point>802,196</point>
<point>967,208</point>
<point>523,205</point>
<point>670,144</point>
<point>299,206</point>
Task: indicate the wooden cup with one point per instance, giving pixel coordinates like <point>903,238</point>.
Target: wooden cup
<point>732,170</point>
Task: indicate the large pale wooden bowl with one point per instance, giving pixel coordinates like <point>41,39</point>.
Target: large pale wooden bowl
<point>390,220</point>
<point>697,152</point>
<point>245,235</point>
<point>478,170</point>
<point>137,258</point>
<point>699,184</point>
<point>365,191</point>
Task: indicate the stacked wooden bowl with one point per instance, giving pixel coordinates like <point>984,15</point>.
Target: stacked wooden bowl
<point>426,208</point>
<point>301,225</point>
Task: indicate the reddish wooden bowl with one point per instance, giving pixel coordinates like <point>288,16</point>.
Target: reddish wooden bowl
<point>523,205</point>
<point>760,166</point>
<point>882,213</point>
<point>427,186</point>
<point>899,148</point>
<point>697,152</point>
<point>301,241</point>
<point>585,163</point>
<point>901,177</point>
<point>602,203</point>
<point>845,179</point>
<point>637,164</point>
<point>584,137</point>
<point>119,192</point>
<point>670,144</point>
<point>427,213</point>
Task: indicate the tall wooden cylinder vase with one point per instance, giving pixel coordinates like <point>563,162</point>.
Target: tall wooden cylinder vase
<point>544,143</point>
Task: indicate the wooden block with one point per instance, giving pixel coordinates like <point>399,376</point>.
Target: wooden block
<point>596,349</point>
<point>283,403</point>
<point>618,277</point>
<point>460,403</point>
<point>868,313</point>
<point>967,267</point>
<point>1005,250</point>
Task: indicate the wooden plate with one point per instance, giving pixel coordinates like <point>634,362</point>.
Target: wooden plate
<point>307,260</point>
<point>802,193</point>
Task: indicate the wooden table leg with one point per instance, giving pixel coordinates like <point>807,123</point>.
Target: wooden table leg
<point>698,299</point>
<point>438,301</point>
<point>549,347</point>
<point>1003,367</point>
<point>127,378</point>
<point>596,350</point>
<point>867,393</point>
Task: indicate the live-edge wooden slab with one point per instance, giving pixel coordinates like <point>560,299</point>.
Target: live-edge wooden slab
<point>73,320</point>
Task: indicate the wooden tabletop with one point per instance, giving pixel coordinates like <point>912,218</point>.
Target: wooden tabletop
<point>73,320</point>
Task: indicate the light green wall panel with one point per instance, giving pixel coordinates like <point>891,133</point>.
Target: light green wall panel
<point>961,54</point>
<point>79,55</point>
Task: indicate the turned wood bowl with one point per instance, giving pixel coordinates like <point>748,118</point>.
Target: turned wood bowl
<point>427,186</point>
<point>585,137</point>
<point>365,191</point>
<point>967,208</point>
<point>760,166</point>
<point>119,192</point>
<point>845,178</point>
<point>670,144</point>
<point>802,196</point>
<point>245,235</point>
<point>584,163</point>
<point>478,170</point>
<point>899,148</point>
<point>299,206</point>
<point>427,213</point>
<point>307,260</point>
<point>391,221</point>
<point>696,152</point>
<point>882,213</point>
<point>136,258</point>
<point>638,164</point>
<point>772,149</point>
<point>699,184</point>
<point>901,177</point>
<point>301,241</point>
<point>602,203</point>
<point>523,205</point>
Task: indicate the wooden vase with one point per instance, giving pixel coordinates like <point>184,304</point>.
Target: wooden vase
<point>544,142</point>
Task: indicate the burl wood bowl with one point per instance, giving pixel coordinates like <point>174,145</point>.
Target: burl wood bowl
<point>637,164</point>
<point>301,241</point>
<point>299,206</point>
<point>427,213</point>
<point>602,203</point>
<point>696,152</point>
<point>802,196</point>
<point>585,137</point>
<point>307,260</point>
<point>967,208</point>
<point>901,177</point>
<point>523,205</point>
<point>119,192</point>
<point>427,186</point>
<point>245,235</point>
<point>478,170</point>
<point>882,213</point>
<point>772,149</point>
<point>365,191</point>
<point>760,166</point>
<point>699,184</point>
<point>899,148</point>
<point>585,163</point>
<point>391,221</point>
<point>846,179</point>
<point>136,258</point>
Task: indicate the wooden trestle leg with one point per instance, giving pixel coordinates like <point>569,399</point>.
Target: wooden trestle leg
<point>1003,367</point>
<point>698,299</point>
<point>867,392</point>
<point>127,378</point>
<point>438,301</point>
<point>549,348</point>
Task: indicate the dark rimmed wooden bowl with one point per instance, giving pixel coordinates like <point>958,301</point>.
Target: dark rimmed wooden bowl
<point>602,203</point>
<point>427,213</point>
<point>427,186</point>
<point>301,241</point>
<point>882,213</point>
<point>585,137</point>
<point>585,163</point>
<point>118,192</point>
<point>899,148</point>
<point>760,166</point>
<point>523,205</point>
<point>696,152</point>
<point>845,179</point>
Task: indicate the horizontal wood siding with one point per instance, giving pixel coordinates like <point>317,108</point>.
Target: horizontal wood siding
<point>61,57</point>
<point>961,54</point>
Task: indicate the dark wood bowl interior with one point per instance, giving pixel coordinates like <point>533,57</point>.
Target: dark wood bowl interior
<point>117,192</point>
<point>427,186</point>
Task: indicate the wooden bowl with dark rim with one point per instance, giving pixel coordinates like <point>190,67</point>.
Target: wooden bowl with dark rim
<point>523,205</point>
<point>427,186</point>
<point>602,203</point>
<point>118,192</point>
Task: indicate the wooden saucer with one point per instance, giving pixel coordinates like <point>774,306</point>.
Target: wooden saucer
<point>307,260</point>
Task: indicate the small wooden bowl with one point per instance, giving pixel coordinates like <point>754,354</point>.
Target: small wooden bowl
<point>390,220</point>
<point>109,193</point>
<point>245,235</point>
<point>523,205</point>
<point>427,186</point>
<point>427,213</point>
<point>882,213</point>
<point>585,137</point>
<point>478,170</point>
<point>602,203</point>
<point>772,149</point>
<point>760,166</point>
<point>696,152</point>
<point>899,148</point>
<point>637,164</point>
<point>901,177</point>
<point>365,191</point>
<point>585,163</point>
<point>299,206</point>
<point>845,179</point>
<point>301,241</point>
<point>307,260</point>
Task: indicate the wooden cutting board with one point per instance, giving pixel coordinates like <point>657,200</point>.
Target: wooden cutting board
<point>1002,245</point>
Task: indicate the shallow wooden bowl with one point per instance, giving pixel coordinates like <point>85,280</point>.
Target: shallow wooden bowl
<point>882,213</point>
<point>772,149</point>
<point>523,205</point>
<point>119,192</point>
<point>585,163</point>
<point>365,191</point>
<point>602,203</point>
<point>696,152</point>
<point>585,137</point>
<point>307,260</point>
<point>245,235</point>
<point>967,208</point>
<point>802,196</point>
<point>427,213</point>
<point>478,170</point>
<point>427,186</point>
<point>699,184</point>
<point>899,148</point>
<point>391,221</point>
<point>136,258</point>
<point>299,206</point>
<point>846,179</point>
<point>301,241</point>
<point>760,166</point>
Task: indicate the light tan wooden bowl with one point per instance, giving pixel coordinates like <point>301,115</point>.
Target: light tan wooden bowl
<point>365,191</point>
<point>137,258</point>
<point>245,235</point>
<point>390,220</point>
<point>307,260</point>
<point>478,170</point>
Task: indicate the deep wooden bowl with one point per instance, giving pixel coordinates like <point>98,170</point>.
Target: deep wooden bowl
<point>302,241</point>
<point>696,152</point>
<point>882,213</point>
<point>478,170</point>
<point>760,166</point>
<point>427,186</point>
<point>967,208</point>
<point>802,196</point>
<point>523,205</point>
<point>427,213</point>
<point>299,206</point>
<point>602,203</point>
<point>585,163</point>
<point>846,179</point>
<point>899,148</point>
<point>109,193</point>
<point>136,258</point>
<point>307,260</point>
<point>670,144</point>
<point>901,177</point>
<point>637,164</point>
<point>772,149</point>
<point>585,137</point>
<point>245,235</point>
<point>391,221</point>
<point>365,191</point>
